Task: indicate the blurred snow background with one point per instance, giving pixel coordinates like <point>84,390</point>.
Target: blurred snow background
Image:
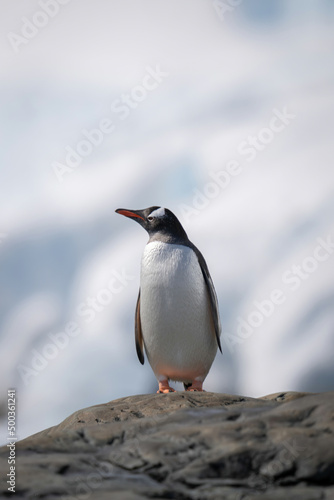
<point>61,242</point>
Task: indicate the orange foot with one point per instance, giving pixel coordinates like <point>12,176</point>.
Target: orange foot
<point>164,387</point>
<point>195,386</point>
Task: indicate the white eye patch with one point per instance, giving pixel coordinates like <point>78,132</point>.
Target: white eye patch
<point>159,212</point>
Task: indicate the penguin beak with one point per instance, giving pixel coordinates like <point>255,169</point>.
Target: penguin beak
<point>132,214</point>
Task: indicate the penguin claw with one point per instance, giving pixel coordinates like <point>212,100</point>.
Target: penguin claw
<point>164,387</point>
<point>195,386</point>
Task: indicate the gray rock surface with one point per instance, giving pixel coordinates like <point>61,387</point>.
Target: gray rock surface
<point>184,445</point>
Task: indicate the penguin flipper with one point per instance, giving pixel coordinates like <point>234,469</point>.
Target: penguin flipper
<point>138,333</point>
<point>211,293</point>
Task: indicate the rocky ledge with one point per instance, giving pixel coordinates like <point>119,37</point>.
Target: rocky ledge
<point>184,445</point>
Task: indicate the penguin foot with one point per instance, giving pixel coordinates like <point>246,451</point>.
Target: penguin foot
<point>195,386</point>
<point>164,387</point>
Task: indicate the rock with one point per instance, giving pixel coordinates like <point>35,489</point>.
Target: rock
<point>184,445</point>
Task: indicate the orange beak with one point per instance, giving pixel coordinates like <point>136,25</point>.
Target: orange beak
<point>128,213</point>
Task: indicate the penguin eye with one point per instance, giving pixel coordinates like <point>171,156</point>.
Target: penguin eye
<point>150,218</point>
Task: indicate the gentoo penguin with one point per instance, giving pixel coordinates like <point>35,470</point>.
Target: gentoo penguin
<point>177,318</point>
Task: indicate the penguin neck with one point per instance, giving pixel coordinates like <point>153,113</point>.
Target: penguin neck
<point>178,238</point>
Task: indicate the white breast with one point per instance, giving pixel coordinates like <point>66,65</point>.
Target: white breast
<point>175,317</point>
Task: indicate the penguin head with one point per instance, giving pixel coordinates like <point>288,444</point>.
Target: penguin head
<point>159,222</point>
